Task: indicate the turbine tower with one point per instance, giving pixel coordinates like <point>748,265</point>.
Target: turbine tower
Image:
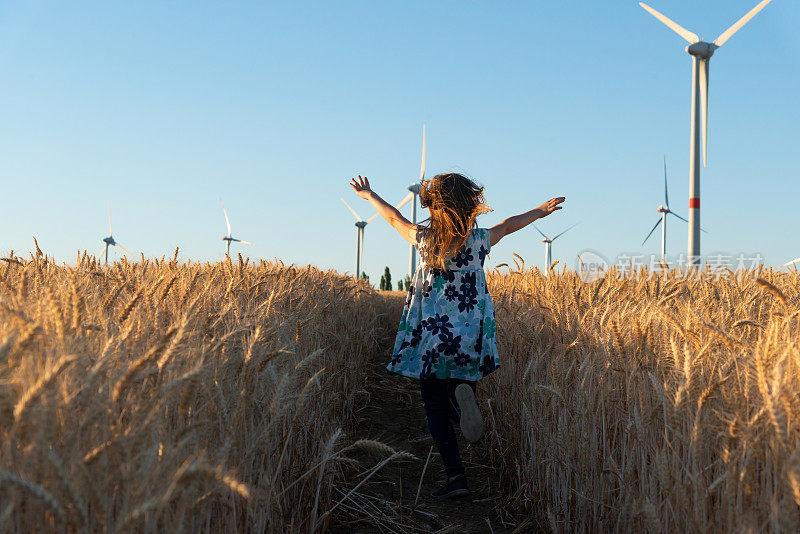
<point>701,53</point>
<point>360,225</point>
<point>228,238</point>
<point>109,241</point>
<point>548,246</point>
<point>414,188</point>
<point>664,211</point>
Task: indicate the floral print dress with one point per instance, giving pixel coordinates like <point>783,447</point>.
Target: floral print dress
<point>447,329</point>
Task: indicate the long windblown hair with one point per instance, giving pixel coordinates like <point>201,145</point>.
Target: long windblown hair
<point>454,202</point>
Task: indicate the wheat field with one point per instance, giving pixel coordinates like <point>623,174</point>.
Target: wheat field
<point>178,397</point>
<point>655,403</point>
<point>190,397</point>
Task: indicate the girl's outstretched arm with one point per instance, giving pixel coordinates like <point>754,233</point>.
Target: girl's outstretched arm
<point>407,230</point>
<point>518,222</point>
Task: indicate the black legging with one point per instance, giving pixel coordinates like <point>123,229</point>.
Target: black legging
<point>438,396</point>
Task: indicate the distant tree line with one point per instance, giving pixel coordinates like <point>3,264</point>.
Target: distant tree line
<point>386,282</point>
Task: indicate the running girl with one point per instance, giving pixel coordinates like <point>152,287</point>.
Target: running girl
<point>446,337</point>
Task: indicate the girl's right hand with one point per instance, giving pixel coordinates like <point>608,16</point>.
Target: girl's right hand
<point>361,186</point>
<point>550,206</point>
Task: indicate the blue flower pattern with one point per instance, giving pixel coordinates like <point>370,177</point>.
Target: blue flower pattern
<point>429,359</point>
<point>449,276</point>
<point>463,257</point>
<point>426,289</point>
<point>448,345</point>
<point>462,360</point>
<point>442,329</point>
<point>450,292</point>
<point>410,296</point>
<point>482,252</point>
<point>416,335</point>
<point>438,323</point>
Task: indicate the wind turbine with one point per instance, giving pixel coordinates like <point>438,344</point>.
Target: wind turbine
<point>796,260</point>
<point>664,211</point>
<point>109,241</point>
<point>414,188</point>
<point>360,225</point>
<point>701,53</point>
<point>228,238</point>
<point>548,245</point>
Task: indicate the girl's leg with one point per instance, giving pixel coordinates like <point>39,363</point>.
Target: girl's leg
<point>435,396</point>
<point>461,393</point>
<point>452,384</point>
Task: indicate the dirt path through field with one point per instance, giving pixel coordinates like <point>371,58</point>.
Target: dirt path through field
<point>392,413</point>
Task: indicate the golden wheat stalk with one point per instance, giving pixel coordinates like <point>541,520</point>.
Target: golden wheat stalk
<point>126,311</point>
<point>25,338</point>
<point>34,391</point>
<point>139,364</point>
<point>772,289</point>
<point>169,285</point>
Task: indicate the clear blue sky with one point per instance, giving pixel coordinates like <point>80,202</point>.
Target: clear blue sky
<point>163,107</point>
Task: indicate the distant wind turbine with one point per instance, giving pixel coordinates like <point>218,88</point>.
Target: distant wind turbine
<point>360,225</point>
<point>664,211</point>
<point>548,245</point>
<point>701,53</point>
<point>109,241</point>
<point>414,188</point>
<point>228,238</point>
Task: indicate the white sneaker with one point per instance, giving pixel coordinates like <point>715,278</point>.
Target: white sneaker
<point>471,420</point>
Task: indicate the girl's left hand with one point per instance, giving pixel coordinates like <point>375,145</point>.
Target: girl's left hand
<point>550,206</point>
<point>361,186</point>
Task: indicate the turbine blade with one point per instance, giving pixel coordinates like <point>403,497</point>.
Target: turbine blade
<point>651,231</point>
<point>724,36</point>
<point>247,243</point>
<point>704,103</point>
<point>796,260</point>
<point>672,25</point>
<point>678,216</point>
<point>227,221</point>
<point>422,167</point>
<point>684,220</point>
<point>666,194</point>
<point>121,247</point>
<point>565,231</point>
<point>405,200</point>
<point>359,219</point>
<point>372,218</point>
<point>537,229</point>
